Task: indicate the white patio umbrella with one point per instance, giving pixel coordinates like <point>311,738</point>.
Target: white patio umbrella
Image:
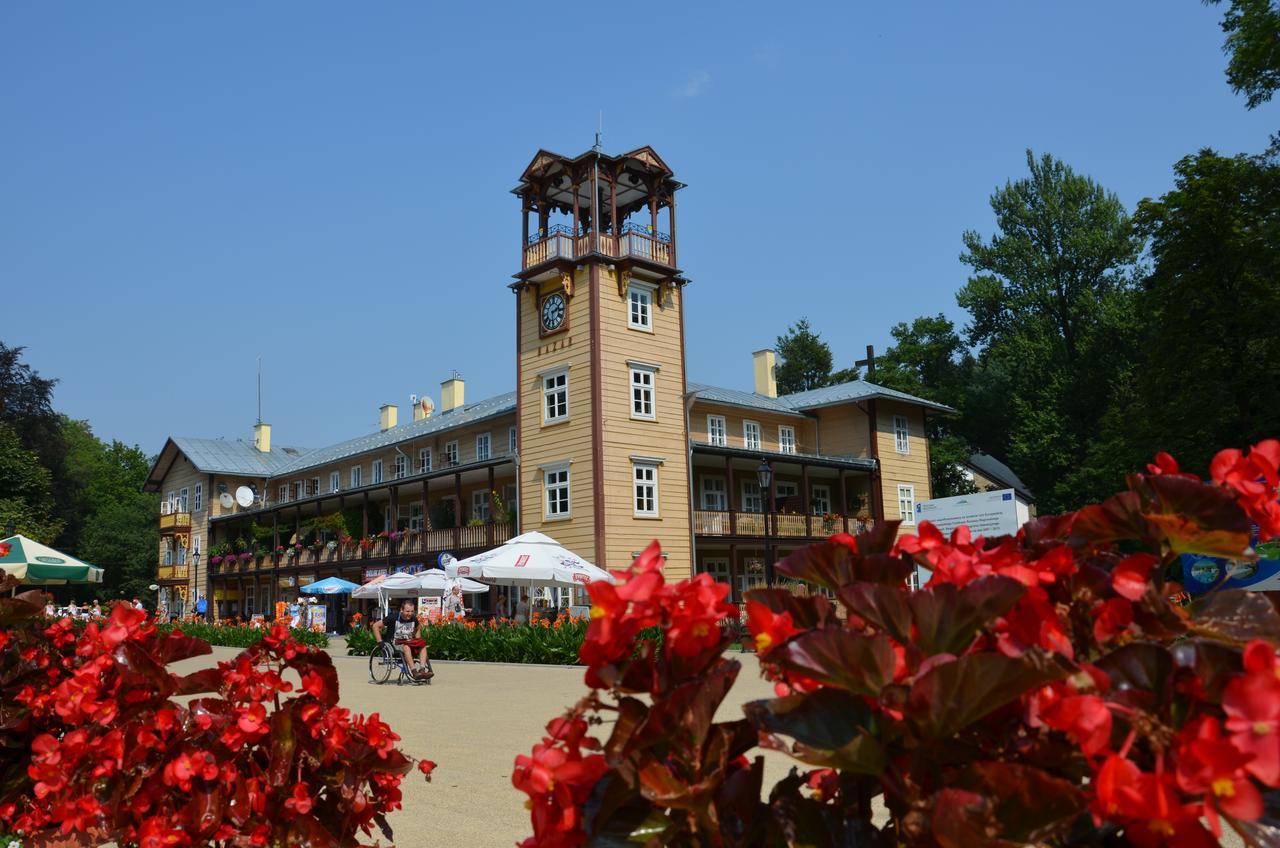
<point>430,582</point>
<point>531,559</point>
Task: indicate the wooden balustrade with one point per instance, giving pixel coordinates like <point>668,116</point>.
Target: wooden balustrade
<point>561,245</point>
<point>785,525</point>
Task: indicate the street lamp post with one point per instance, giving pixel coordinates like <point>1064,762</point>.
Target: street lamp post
<point>764,475</point>
<point>195,561</point>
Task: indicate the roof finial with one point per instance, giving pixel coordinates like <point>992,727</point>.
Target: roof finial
<point>597,147</point>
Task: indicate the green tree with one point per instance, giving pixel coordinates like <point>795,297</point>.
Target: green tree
<point>805,359</point>
<point>1253,45</point>
<point>1210,352</point>
<point>26,490</point>
<point>1049,294</point>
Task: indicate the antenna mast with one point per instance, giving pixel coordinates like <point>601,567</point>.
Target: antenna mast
<point>259,389</point>
<point>599,132</point>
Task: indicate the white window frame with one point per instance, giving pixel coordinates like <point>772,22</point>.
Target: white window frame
<point>424,460</point>
<point>513,440</point>
<point>644,485</point>
<point>481,504</point>
<point>283,493</point>
<point>485,440</point>
<point>400,466</point>
<point>315,485</point>
<point>511,496</point>
<point>718,568</point>
<point>751,491</point>
<point>299,490</point>
<point>717,431</point>
<point>643,381</point>
<point>640,301</point>
<point>451,455</point>
<point>557,477</point>
<point>335,481</point>
<point>901,434</point>
<point>375,476</point>
<point>748,427</point>
<point>555,395</point>
<point>183,502</point>
<point>786,439</point>
<point>820,494</point>
<point>720,491</point>
<point>168,553</point>
<point>416,515</point>
<point>198,498</point>
<point>907,503</point>
<point>357,476</point>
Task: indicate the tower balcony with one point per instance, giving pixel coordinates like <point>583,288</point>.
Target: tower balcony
<point>172,522</point>
<point>633,241</point>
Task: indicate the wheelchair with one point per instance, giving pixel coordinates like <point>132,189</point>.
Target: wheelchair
<point>386,660</point>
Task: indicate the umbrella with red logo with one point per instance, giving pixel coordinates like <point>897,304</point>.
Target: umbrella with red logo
<point>531,559</point>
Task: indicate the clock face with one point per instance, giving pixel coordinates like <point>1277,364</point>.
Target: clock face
<point>553,312</point>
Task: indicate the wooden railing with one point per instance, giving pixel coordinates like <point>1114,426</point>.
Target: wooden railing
<point>562,244</point>
<point>784,525</point>
<point>175,522</point>
<point>172,572</point>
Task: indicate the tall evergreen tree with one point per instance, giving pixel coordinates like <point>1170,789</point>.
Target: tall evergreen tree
<point>805,359</point>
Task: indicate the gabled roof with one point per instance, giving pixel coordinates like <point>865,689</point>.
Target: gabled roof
<point>853,392</point>
<point>221,456</point>
<point>798,403</point>
<point>469,414</point>
<point>993,469</point>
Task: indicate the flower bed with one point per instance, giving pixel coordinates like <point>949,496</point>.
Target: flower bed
<point>545,641</point>
<point>239,635</point>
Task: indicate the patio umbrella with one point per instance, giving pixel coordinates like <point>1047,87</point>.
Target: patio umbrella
<point>330,586</point>
<point>32,562</point>
<point>531,559</point>
<point>431,582</point>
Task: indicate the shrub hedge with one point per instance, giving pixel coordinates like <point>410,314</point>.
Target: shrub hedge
<point>239,635</point>
<point>544,641</point>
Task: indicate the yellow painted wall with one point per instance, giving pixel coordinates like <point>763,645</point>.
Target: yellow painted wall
<point>806,431</point>
<point>911,468</point>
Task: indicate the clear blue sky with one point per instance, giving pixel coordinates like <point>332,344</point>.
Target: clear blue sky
<point>186,186</point>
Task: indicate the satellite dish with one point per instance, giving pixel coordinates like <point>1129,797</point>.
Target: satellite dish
<point>226,500</point>
<point>427,405</point>
<point>244,496</point>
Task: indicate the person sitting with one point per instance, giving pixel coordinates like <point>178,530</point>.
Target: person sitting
<point>405,631</point>
<point>96,612</point>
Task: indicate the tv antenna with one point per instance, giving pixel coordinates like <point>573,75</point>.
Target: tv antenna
<point>597,147</point>
<point>259,389</point>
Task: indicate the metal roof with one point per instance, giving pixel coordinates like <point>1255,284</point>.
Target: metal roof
<point>733,397</point>
<point>469,414</point>
<point>989,466</point>
<point>233,456</point>
<point>799,402</point>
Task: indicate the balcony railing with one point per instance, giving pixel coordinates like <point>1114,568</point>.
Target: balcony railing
<point>172,572</point>
<point>785,525</point>
<point>174,522</point>
<point>635,241</point>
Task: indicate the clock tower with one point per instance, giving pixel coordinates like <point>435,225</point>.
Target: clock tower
<point>604,443</point>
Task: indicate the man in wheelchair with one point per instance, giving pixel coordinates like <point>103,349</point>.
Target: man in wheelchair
<point>405,631</point>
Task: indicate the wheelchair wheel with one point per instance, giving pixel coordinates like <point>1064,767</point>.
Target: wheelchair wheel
<point>382,663</point>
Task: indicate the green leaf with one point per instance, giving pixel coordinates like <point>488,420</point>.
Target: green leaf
<point>953,695</point>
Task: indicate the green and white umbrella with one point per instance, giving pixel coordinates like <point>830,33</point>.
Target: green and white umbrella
<point>32,562</point>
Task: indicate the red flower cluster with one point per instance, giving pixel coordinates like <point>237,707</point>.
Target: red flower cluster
<point>558,780</point>
<point>253,759</point>
<point>1254,478</point>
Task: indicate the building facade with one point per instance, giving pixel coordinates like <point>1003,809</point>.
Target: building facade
<point>604,444</point>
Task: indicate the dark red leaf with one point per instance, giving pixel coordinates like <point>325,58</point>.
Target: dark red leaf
<point>1141,674</point>
<point>829,726</point>
<point>1031,805</point>
<point>953,695</point>
<point>947,617</point>
<point>806,612</point>
<point>882,606</point>
<point>1236,616</point>
<point>839,657</point>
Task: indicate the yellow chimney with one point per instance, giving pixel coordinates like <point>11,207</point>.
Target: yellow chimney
<point>452,394</point>
<point>765,362</point>
<point>387,414</point>
<point>262,437</point>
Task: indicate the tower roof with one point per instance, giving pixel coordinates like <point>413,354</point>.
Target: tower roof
<point>550,177</point>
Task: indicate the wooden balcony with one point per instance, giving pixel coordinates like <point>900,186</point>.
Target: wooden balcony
<point>634,242</point>
<point>735,524</point>
<point>172,573</point>
<point>174,522</point>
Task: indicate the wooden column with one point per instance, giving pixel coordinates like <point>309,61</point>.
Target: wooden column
<point>575,217</point>
<point>728,495</point>
<point>457,496</point>
<point>804,499</point>
<point>653,212</point>
<point>364,524</point>
<point>426,510</point>
<point>595,207</point>
<point>844,501</point>
<point>671,208</point>
<point>613,209</point>
<point>489,532</point>
<point>392,547</point>
<point>733,575</point>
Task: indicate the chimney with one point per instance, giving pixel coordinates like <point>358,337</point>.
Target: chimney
<point>422,407</point>
<point>387,416</point>
<point>262,437</point>
<point>765,361</point>
<point>452,393</point>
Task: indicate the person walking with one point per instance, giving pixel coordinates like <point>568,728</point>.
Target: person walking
<point>201,607</point>
<point>453,602</point>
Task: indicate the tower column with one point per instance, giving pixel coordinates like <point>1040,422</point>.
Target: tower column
<point>671,219</point>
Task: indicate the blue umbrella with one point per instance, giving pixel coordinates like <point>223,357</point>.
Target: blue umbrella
<point>331,586</point>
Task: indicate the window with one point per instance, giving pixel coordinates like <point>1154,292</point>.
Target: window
<point>751,435</point>
<point>401,467</point>
<point>377,471</point>
<point>424,460</point>
<point>483,442</point>
<point>168,553</point>
<point>182,554</point>
<point>820,500</point>
<point>751,500</point>
<point>555,393</point>
<point>512,441</point>
<point>283,494</point>
<point>297,490</point>
<point>199,504</point>
<point>511,496</point>
<point>451,454</point>
<point>415,516</point>
<point>907,504</point>
<point>714,495</point>
<point>248,599</point>
<point>335,481</point>
<point>716,431</point>
<point>170,503</point>
<point>480,504</point>
<point>783,492</point>
<point>313,487</point>
<point>717,568</point>
<point>640,307</point>
<point>641,392</point>
<point>900,432</point>
<point>195,544</point>
<point>786,439</point>
<point>182,500</point>
<point>913,580</point>
<point>645,476</point>
<point>357,476</point>
<point>556,481</point>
